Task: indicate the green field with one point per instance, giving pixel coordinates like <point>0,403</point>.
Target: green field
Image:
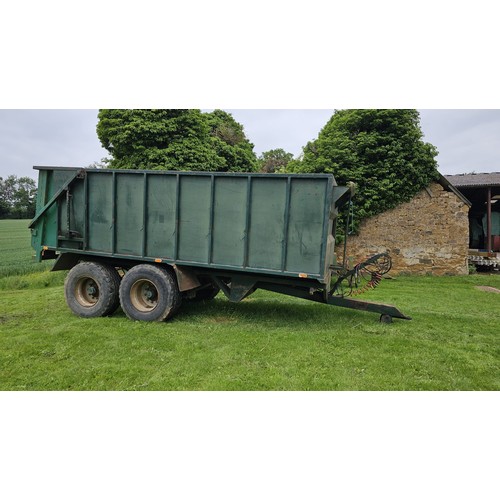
<point>267,342</point>
<point>15,250</point>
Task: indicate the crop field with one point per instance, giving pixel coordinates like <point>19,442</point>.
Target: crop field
<point>267,342</point>
<point>15,250</point>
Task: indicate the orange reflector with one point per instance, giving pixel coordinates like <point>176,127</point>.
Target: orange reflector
<point>157,260</point>
<point>303,275</point>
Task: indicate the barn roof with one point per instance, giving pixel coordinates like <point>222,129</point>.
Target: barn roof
<point>449,186</point>
<point>474,180</point>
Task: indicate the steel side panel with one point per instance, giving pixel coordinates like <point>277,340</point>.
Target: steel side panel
<point>52,225</point>
<point>306,223</point>
<point>129,214</point>
<point>267,218</point>
<point>194,218</point>
<point>78,207</point>
<point>76,210</point>
<point>229,221</point>
<point>100,209</point>
<point>160,217</point>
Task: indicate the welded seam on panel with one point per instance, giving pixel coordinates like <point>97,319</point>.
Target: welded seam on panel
<point>247,221</point>
<point>286,223</point>
<point>68,212</point>
<point>44,201</point>
<point>113,214</point>
<point>326,223</point>
<point>177,206</point>
<point>86,211</point>
<point>211,223</point>
<point>58,223</point>
<point>144,213</point>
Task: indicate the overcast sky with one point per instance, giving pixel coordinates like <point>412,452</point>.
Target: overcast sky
<point>467,140</point>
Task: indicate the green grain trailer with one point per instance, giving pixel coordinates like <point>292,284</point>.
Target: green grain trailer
<point>149,240</point>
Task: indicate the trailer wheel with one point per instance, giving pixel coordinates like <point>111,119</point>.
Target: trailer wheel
<point>386,318</point>
<point>92,289</point>
<point>149,293</point>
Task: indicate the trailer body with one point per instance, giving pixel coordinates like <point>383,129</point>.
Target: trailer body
<point>258,223</point>
<point>235,232</point>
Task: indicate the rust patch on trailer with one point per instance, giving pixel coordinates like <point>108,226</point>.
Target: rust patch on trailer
<point>186,279</point>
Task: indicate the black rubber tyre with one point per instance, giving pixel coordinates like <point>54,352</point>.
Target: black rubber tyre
<point>92,289</point>
<point>386,318</point>
<point>208,293</point>
<point>149,293</point>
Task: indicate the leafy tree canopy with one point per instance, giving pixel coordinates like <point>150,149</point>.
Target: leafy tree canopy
<point>17,197</point>
<point>230,143</point>
<point>174,139</point>
<point>381,150</point>
<point>274,160</point>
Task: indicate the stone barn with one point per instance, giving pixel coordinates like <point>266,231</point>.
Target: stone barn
<point>427,235</point>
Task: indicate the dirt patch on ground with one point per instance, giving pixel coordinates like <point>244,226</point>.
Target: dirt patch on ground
<point>488,289</point>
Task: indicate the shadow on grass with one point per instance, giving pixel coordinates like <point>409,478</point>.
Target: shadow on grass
<point>272,312</point>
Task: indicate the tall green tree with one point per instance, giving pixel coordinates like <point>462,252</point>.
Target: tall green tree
<point>381,150</point>
<point>5,205</point>
<point>274,160</point>
<point>25,198</point>
<point>230,143</point>
<point>17,197</point>
<point>7,191</point>
<point>174,139</point>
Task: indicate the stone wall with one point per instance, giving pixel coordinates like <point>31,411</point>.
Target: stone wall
<point>428,235</point>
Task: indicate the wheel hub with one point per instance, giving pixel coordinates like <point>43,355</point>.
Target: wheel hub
<point>87,292</point>
<point>149,293</point>
<point>144,295</point>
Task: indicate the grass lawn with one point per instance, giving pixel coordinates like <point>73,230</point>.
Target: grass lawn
<point>267,342</point>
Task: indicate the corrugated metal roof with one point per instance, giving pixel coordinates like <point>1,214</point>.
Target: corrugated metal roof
<point>450,187</point>
<point>474,180</point>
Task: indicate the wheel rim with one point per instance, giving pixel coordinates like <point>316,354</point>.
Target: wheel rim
<point>144,295</point>
<point>87,292</point>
